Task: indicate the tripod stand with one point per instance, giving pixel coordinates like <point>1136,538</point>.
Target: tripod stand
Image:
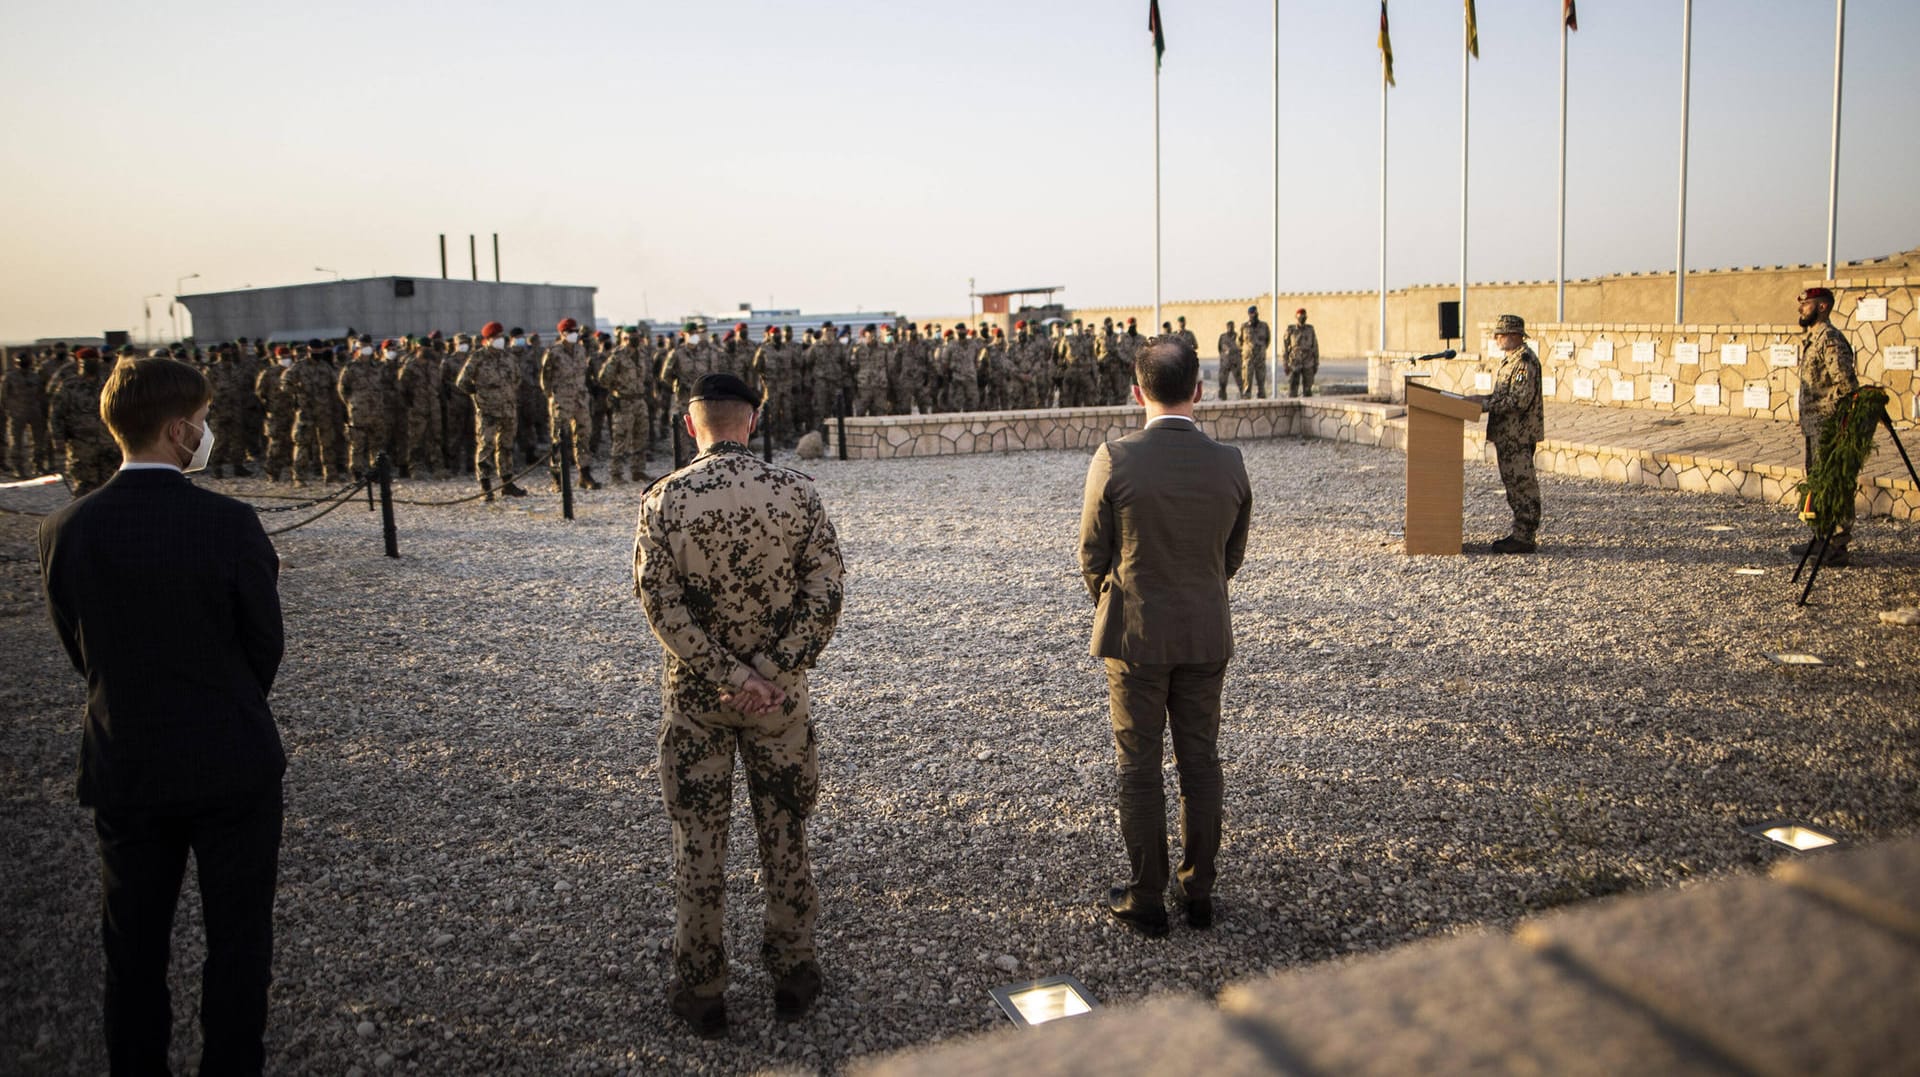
<point>1817,549</point>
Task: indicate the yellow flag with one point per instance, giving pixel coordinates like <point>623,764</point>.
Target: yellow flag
<point>1473,32</point>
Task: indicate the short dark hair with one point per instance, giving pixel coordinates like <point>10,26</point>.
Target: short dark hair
<point>144,394</point>
<point>1167,369</point>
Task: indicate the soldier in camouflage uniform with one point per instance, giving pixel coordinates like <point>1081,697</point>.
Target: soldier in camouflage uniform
<point>492,379</point>
<point>739,572</point>
<point>279,408</point>
<point>1229,345</point>
<point>1301,355</point>
<point>1078,367</point>
<point>915,366</point>
<point>1255,337</point>
<point>563,377</point>
<point>92,456</point>
<point>960,367</point>
<point>627,379</point>
<point>1126,347</point>
<point>531,429</point>
<point>367,388</point>
<point>309,385</point>
<point>418,381</point>
<point>772,374</point>
<point>1826,373</point>
<point>1516,422</point>
<point>227,413</point>
<point>26,412</point>
<point>1185,334</point>
<point>694,358</point>
<point>869,363</point>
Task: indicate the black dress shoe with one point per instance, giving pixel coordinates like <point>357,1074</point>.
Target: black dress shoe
<point>1199,910</point>
<point>795,992</point>
<point>1150,922</point>
<point>707,1017</point>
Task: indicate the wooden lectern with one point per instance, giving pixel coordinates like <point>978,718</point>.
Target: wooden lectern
<point>1436,475</point>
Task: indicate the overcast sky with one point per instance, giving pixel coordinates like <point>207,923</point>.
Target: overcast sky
<point>878,154</point>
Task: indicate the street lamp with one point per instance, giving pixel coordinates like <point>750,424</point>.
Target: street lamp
<point>173,308</point>
<point>324,269</point>
<point>147,305</point>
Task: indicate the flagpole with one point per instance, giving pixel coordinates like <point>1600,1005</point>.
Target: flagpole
<point>1680,239</point>
<point>1273,319</point>
<point>1466,66</point>
<point>1156,192</point>
<point>1383,212</point>
<point>1560,249</point>
<point>1833,166</point>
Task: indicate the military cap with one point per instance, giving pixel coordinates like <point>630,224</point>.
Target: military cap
<point>567,325</point>
<point>724,387</point>
<point>515,331</point>
<point>1255,309</point>
<point>1816,293</point>
<point>772,331</point>
<point>1021,324</point>
<point>388,343</point>
<point>281,349</point>
<point>1301,310</point>
<point>692,326</point>
<point>1509,323</point>
<point>1183,319</point>
<point>1130,321</point>
<point>124,349</point>
<point>491,329</point>
<point>87,353</point>
<point>869,328</point>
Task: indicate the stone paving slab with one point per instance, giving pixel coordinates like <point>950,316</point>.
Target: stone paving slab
<point>1717,437</point>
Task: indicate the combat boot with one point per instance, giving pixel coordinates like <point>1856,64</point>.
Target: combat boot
<point>240,471</point>
<point>486,486</point>
<point>511,490</point>
<point>586,479</point>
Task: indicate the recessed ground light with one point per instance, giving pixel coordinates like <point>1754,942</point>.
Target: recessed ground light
<point>1796,836</point>
<point>1795,658</point>
<point>1749,571</point>
<point>1047,999</point>
<point>1719,527</point>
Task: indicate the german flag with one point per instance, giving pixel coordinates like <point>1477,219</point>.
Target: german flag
<point>1386,42</point>
<point>1573,18</point>
<point>1160,35</point>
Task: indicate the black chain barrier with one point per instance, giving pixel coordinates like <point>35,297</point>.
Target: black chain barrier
<point>348,496</point>
<point>528,470</point>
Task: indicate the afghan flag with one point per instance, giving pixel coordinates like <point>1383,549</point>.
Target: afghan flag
<point>1160,34</point>
<point>1473,31</point>
<point>1573,17</point>
<point>1386,43</point>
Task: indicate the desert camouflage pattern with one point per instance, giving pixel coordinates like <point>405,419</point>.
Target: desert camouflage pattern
<point>366,386</point>
<point>1826,374</point>
<point>627,377</point>
<point>25,406</point>
<point>1254,340</point>
<point>75,423</point>
<point>493,379</point>
<point>1229,346</point>
<point>1516,422</point>
<point>418,380</point>
<point>739,571</point>
<point>309,385</point>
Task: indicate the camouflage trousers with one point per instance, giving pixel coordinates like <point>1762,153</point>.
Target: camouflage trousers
<point>632,429</point>
<point>92,463</point>
<point>27,441</point>
<point>571,420</point>
<point>963,392</point>
<point>311,441</point>
<point>229,437</point>
<point>872,400</point>
<point>366,439</point>
<point>1253,375</point>
<point>696,778</point>
<point>422,447</point>
<point>1523,488</point>
<point>1230,372</point>
<point>279,444</point>
<point>1300,379</point>
<point>493,443</point>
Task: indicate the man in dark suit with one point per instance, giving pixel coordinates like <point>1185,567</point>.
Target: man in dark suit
<point>1163,526</point>
<point>166,598</point>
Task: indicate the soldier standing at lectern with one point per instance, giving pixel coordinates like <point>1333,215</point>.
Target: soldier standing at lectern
<point>1516,422</point>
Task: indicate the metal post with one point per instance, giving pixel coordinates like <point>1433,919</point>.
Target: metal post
<point>443,256</point>
<point>370,484</point>
<point>566,470</point>
<point>1273,352</point>
<point>1466,68</point>
<point>473,253</point>
<point>1833,163</point>
<point>1680,238</point>
<point>840,420</point>
<point>383,470</point>
<point>1156,203</point>
<point>766,436</point>
<point>1383,214</point>
<point>496,258</point>
<point>1560,248</point>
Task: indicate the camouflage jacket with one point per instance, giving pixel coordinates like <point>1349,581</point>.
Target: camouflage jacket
<point>686,364</point>
<point>493,379</point>
<point>1516,414</point>
<point>1229,346</point>
<point>1076,355</point>
<point>21,396</point>
<point>772,370</point>
<point>1192,341</point>
<point>563,373</point>
<point>271,393</point>
<point>1302,346</point>
<point>75,414</point>
<point>1826,375</point>
<point>366,386</point>
<point>419,380</point>
<point>869,362</point>
<point>738,570</point>
<point>628,375</point>
<point>1254,338</point>
<point>308,383</point>
<point>1126,346</point>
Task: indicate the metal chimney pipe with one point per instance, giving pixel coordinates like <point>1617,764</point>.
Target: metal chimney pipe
<point>473,252</point>
<point>443,256</point>
<point>496,257</point>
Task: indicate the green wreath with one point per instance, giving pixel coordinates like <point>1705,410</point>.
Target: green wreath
<point>1846,440</point>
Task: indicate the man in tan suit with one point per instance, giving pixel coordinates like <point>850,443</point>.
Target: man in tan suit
<point>1163,526</point>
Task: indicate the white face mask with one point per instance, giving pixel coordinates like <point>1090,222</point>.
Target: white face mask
<point>460,347</point>
<point>287,361</point>
<point>499,343</point>
<point>202,452</point>
<point>693,338</point>
<point>573,338</point>
<point>365,351</point>
<point>519,342</point>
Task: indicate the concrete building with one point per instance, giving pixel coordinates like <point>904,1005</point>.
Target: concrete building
<point>384,307</point>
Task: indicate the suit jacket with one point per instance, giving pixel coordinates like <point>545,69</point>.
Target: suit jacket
<point>166,598</point>
<point>1163,526</point>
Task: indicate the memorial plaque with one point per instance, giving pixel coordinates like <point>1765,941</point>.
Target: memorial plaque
<point>1782,355</point>
<point>1603,351</point>
<point>1482,381</point>
<point>1707,394</point>
<point>1686,353</point>
<point>1872,308</point>
<point>1562,350</point>
<point>1643,351</point>
<point>1623,390</point>
<point>1900,356</point>
<point>1733,355</point>
<point>1662,390</point>
<point>1583,388</point>
<point>1549,385</point>
<point>1757,396</point>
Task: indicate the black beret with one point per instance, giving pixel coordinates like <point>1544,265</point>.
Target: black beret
<point>724,387</point>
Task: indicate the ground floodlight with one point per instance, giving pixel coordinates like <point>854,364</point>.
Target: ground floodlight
<point>1046,999</point>
<point>1796,836</point>
<point>1749,571</point>
<point>1796,658</point>
<point>1719,527</point>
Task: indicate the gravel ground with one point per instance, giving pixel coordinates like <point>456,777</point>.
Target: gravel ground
<point>476,875</point>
